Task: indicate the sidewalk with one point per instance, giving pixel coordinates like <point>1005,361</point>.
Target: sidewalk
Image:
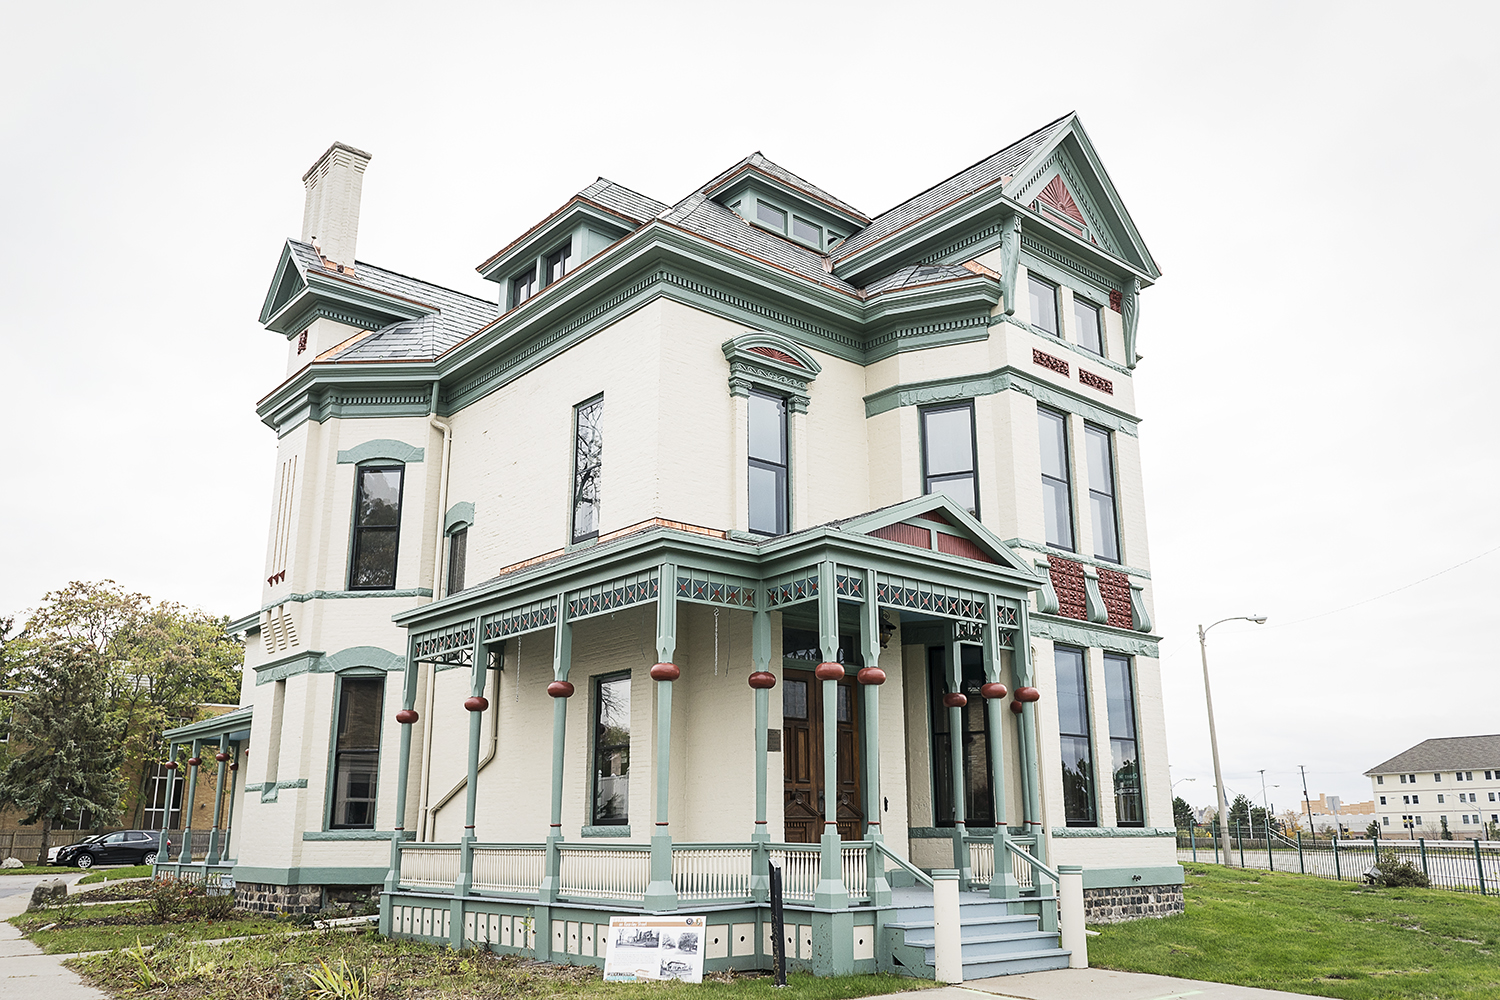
<point>24,970</point>
<point>1094,984</point>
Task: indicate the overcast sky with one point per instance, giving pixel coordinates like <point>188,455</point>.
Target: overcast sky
<point>1310,177</point>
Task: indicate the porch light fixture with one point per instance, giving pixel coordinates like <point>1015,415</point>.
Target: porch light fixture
<point>886,628</point>
<point>1213,737</point>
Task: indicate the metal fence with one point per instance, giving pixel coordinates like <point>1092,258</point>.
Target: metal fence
<point>1461,865</point>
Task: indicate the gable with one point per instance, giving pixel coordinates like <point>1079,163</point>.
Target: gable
<point>936,523</point>
<point>291,284</point>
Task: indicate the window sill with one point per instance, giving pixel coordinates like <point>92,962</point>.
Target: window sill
<point>385,835</point>
<point>604,831</point>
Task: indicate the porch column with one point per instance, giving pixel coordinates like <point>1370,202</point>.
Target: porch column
<point>761,681</point>
<point>1003,882</point>
<point>185,856</point>
<point>234,781</point>
<point>661,893</point>
<point>1031,776</point>
<point>833,932</point>
<point>406,718</point>
<point>955,700</point>
<point>162,853</point>
<point>213,834</point>
<point>475,704</point>
<point>560,690</point>
<point>870,679</point>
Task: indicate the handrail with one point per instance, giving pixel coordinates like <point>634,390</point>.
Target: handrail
<point>1032,860</point>
<point>916,872</point>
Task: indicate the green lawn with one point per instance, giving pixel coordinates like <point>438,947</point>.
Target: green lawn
<point>1310,935</point>
<point>38,870</point>
<point>97,928</point>
<point>110,874</point>
<point>270,967</point>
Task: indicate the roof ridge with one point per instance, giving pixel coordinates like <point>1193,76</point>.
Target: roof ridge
<point>400,274</point>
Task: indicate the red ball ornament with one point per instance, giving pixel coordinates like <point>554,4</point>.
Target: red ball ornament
<point>234,765</point>
<point>194,761</point>
<point>1027,694</point>
<point>407,716</point>
<point>477,703</point>
<point>829,671</point>
<point>871,675</point>
<point>221,757</point>
<point>170,765</point>
<point>955,700</point>
<point>1015,706</point>
<point>560,689</point>
<point>762,680</point>
<point>992,690</point>
<point>665,672</point>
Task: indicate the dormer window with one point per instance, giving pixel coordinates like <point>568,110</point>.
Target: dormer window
<point>559,262</point>
<point>770,216</point>
<point>523,286</point>
<point>806,231</point>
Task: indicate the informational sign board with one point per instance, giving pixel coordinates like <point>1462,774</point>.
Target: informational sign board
<point>641,948</point>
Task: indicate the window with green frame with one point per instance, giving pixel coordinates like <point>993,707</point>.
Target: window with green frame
<point>356,752</point>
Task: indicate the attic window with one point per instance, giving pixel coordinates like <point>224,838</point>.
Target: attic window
<point>523,286</point>
<point>806,231</point>
<point>559,262</point>
<point>770,215</point>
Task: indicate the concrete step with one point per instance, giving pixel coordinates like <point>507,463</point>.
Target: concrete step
<point>966,910</point>
<point>1042,960</point>
<point>971,929</point>
<point>990,945</point>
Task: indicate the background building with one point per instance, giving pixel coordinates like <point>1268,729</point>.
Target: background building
<point>1452,779</point>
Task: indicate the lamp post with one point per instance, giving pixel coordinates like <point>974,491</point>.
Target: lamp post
<point>1213,737</point>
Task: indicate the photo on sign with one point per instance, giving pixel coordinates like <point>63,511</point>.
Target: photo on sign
<point>654,948</point>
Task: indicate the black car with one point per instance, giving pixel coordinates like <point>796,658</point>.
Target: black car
<point>123,847</point>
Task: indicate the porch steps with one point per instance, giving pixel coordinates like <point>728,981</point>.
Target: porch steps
<point>998,939</point>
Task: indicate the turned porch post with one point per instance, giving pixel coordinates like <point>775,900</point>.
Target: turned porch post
<point>406,718</point>
<point>761,681</point>
<point>871,677</point>
<point>234,783</point>
<point>661,893</point>
<point>212,858</point>
<point>475,704</point>
<point>185,856</point>
<point>1031,777</point>
<point>1003,881</point>
<point>955,700</point>
<point>831,892</point>
<point>560,690</point>
<point>162,853</point>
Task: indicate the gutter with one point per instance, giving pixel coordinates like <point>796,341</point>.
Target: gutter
<point>446,429</point>
<point>430,819</point>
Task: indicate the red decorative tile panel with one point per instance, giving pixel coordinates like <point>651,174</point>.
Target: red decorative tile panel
<point>1095,382</point>
<point>1114,586</point>
<point>782,356</point>
<point>906,534</point>
<point>934,515</point>
<point>1048,361</point>
<point>1067,580</point>
<point>955,546</point>
<point>1116,299</point>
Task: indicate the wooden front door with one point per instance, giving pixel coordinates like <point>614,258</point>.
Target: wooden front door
<point>802,759</point>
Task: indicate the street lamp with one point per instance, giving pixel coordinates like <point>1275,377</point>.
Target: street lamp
<point>1213,737</point>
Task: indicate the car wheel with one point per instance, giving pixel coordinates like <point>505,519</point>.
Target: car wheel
<point>85,860</point>
<point>149,859</point>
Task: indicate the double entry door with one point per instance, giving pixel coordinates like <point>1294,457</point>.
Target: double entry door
<point>803,736</point>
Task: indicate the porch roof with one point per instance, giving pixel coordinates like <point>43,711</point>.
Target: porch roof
<point>232,724</point>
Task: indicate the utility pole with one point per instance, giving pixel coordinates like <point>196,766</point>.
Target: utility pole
<point>1307,799</point>
<point>1264,801</point>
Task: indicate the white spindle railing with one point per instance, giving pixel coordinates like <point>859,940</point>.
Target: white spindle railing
<point>605,873</point>
<point>1020,867</point>
<point>982,861</point>
<point>857,870</point>
<point>800,869</point>
<point>430,866</point>
<point>711,872</point>
<point>509,869</point>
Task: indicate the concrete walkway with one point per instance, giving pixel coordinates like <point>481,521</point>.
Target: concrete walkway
<point>24,970</point>
<point>1094,984</point>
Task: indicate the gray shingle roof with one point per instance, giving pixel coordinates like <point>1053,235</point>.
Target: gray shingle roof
<point>987,171</point>
<point>698,214</point>
<point>622,199</point>
<point>457,316</point>
<point>918,274</point>
<point>1448,753</point>
<point>784,175</point>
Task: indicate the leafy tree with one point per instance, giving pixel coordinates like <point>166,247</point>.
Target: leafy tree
<point>1373,830</point>
<point>1239,812</point>
<point>69,751</point>
<point>1182,813</point>
<point>1444,829</point>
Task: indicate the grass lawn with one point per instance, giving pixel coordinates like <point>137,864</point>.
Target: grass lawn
<point>38,870</point>
<point>272,967</point>
<point>1310,935</point>
<point>120,925</point>
<point>110,874</point>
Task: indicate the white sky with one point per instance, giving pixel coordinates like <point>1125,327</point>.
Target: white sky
<point>1310,177</point>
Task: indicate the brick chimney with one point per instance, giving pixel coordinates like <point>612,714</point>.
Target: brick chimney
<point>330,216</point>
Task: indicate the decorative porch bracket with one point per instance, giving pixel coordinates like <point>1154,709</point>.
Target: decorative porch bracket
<point>661,892</point>
<point>1003,881</point>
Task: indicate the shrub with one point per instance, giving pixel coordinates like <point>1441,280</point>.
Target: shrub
<point>1396,874</point>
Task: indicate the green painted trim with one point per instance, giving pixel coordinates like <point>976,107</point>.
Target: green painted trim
<point>1110,832</point>
<point>249,623</point>
<point>314,875</point>
<point>384,836</point>
<point>1076,633</point>
<point>383,449</point>
<point>1117,878</point>
<point>604,831</point>
<point>270,791</point>
<point>214,725</point>
<point>1043,549</point>
<point>461,513</point>
<point>1006,378</point>
<point>332,595</point>
<point>374,658</point>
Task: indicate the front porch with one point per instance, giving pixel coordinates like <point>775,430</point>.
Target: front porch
<point>227,736</point>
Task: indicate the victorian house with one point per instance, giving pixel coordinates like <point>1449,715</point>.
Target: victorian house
<point>738,532</point>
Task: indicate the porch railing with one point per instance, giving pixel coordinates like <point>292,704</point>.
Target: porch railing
<point>801,869</point>
<point>600,872</point>
<point>429,866</point>
<point>711,871</point>
<point>512,868</point>
<point>981,859</point>
<point>856,858</point>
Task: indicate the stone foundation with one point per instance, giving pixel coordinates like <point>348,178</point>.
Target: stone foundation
<point>1131,902</point>
<point>268,897</point>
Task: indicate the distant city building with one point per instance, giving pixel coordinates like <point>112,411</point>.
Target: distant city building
<point>1452,779</point>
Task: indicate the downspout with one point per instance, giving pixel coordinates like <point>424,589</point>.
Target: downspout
<point>489,754</point>
<point>446,429</point>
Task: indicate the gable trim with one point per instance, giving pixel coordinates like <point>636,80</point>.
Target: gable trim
<point>1000,380</point>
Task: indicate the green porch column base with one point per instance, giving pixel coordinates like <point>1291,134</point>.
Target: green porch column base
<point>1003,882</point>
<point>213,847</point>
<point>456,923</point>
<point>185,856</point>
<point>541,926</point>
<point>875,882</point>
<point>760,866</point>
<point>961,857</point>
<point>465,880</point>
<point>393,876</point>
<point>661,894</point>
<point>547,891</point>
<point>831,893</point>
<point>387,909</point>
<point>833,944</point>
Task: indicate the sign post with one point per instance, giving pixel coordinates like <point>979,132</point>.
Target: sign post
<point>778,927</point>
